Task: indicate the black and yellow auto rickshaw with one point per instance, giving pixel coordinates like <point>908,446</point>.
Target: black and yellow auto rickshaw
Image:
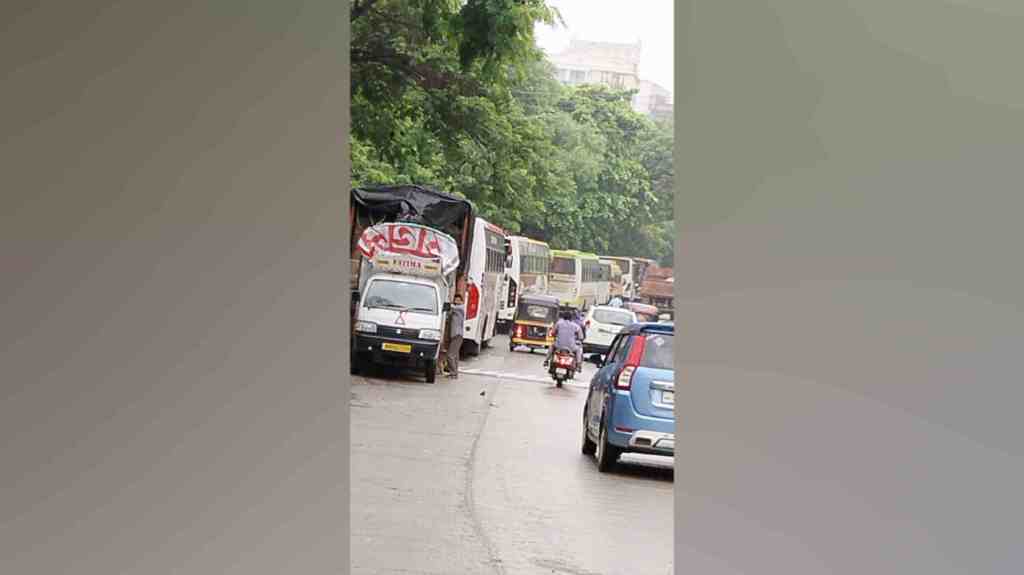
<point>531,326</point>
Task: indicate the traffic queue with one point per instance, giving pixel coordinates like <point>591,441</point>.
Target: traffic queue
<point>414,249</point>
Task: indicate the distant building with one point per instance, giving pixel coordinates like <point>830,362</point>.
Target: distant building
<point>615,66</point>
<point>653,100</point>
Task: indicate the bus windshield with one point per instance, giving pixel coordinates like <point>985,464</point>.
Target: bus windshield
<point>562,265</point>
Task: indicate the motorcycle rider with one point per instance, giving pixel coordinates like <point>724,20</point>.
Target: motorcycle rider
<point>568,337</point>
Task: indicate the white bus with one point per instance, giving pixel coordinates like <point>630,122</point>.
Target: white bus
<point>621,280</point>
<point>526,272</point>
<point>483,285</point>
<point>576,279</point>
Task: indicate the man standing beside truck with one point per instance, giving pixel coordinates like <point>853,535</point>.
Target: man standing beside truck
<point>456,324</point>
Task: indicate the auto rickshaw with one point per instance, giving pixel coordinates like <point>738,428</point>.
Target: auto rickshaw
<point>531,326</point>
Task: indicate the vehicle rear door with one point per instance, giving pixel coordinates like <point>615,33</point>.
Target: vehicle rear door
<point>652,390</point>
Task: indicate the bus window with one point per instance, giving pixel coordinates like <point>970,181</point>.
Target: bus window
<point>565,266</point>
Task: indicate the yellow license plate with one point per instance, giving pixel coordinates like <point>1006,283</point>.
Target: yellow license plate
<point>399,347</point>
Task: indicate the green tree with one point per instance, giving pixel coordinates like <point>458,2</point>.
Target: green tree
<point>457,94</point>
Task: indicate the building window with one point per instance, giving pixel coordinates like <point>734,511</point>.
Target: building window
<point>578,76</point>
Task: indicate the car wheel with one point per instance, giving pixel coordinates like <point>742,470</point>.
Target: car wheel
<point>472,348</point>
<point>430,371</point>
<point>607,454</point>
<point>588,446</point>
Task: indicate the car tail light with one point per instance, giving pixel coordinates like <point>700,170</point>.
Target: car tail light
<point>625,379</point>
<point>473,305</point>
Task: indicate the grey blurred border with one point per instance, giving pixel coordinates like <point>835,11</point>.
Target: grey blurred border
<point>174,293</point>
<point>849,287</point>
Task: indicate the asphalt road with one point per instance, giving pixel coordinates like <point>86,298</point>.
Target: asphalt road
<point>448,481</point>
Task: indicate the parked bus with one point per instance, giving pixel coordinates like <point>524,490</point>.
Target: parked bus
<point>526,272</point>
<point>575,278</point>
<point>621,280</point>
<point>483,285</point>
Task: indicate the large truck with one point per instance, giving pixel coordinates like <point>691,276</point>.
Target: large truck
<point>409,255</point>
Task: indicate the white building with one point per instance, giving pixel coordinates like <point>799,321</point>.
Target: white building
<point>613,65</point>
<point>653,100</point>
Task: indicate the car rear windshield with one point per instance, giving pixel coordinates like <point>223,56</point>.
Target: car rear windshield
<point>402,296</point>
<point>657,351</point>
<point>535,312</point>
<point>566,266</point>
<point>613,317</point>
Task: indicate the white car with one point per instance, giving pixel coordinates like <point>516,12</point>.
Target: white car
<point>603,324</point>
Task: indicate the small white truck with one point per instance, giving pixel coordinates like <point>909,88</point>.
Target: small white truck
<point>406,277</point>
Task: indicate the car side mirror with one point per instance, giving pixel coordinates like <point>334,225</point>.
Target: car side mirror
<point>447,307</point>
<point>598,361</point>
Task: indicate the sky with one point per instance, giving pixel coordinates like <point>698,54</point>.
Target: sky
<point>650,21</point>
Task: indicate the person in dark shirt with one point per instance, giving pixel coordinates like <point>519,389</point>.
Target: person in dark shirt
<point>456,325</point>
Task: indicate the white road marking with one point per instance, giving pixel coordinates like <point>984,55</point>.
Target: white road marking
<point>519,377</point>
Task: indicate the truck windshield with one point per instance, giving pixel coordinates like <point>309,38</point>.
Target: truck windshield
<point>405,296</point>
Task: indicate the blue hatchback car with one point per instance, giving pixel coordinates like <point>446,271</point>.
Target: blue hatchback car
<point>630,407</point>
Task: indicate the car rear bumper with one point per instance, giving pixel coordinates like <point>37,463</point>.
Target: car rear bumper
<point>654,442</point>
<point>420,351</point>
<point>638,433</point>
<point>595,348</point>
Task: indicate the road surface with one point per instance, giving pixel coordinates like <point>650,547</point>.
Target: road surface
<point>446,481</point>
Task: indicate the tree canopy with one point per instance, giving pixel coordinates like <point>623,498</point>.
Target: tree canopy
<point>457,95</point>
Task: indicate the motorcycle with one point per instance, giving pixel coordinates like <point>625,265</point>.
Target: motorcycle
<point>562,366</point>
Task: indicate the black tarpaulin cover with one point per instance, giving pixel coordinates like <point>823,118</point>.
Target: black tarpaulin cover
<point>414,204</point>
